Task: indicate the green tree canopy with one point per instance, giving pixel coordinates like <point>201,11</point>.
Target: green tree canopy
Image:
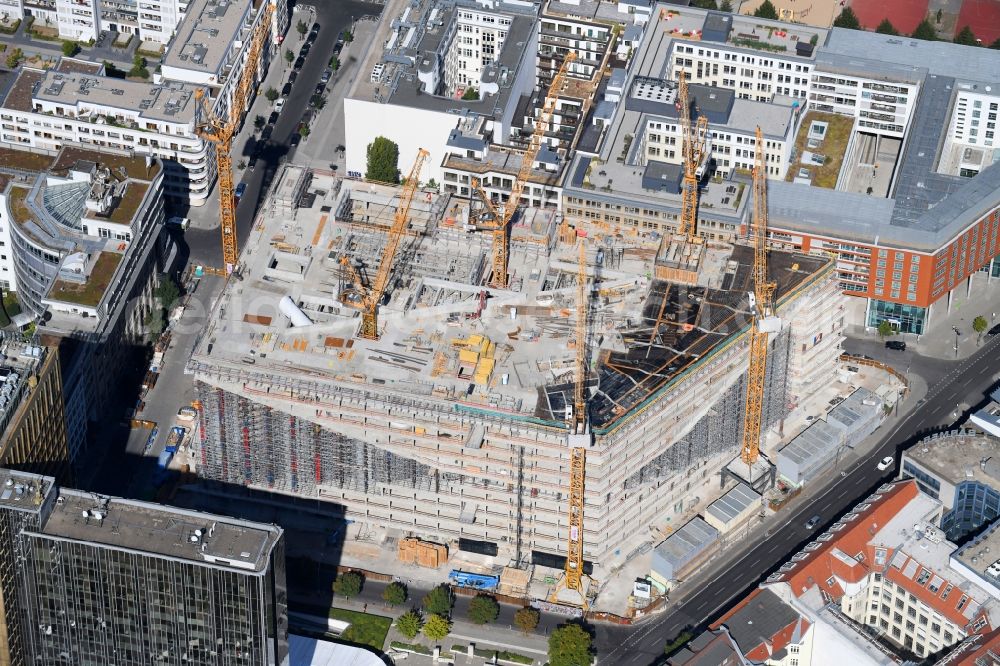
<point>348,37</point>
<point>470,94</point>
<point>569,645</point>
<point>886,28</point>
<point>885,329</point>
<point>925,31</point>
<point>979,325</point>
<point>70,48</point>
<point>383,163</point>
<point>259,122</point>
<point>395,594</point>
<point>302,28</point>
<point>289,55</point>
<point>766,11</point>
<point>409,623</point>
<point>483,609</point>
<point>966,36</point>
<point>438,600</point>
<point>437,627</point>
<point>704,4</point>
<point>348,584</point>
<point>847,19</point>
<point>526,619</point>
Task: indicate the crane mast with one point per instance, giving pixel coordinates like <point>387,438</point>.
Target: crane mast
<point>220,132</point>
<point>579,437</point>
<point>501,219</point>
<point>694,139</point>
<point>370,296</point>
<point>761,307</point>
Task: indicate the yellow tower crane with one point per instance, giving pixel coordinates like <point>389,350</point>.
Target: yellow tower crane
<point>579,435</point>
<point>694,139</point>
<point>220,131</point>
<point>367,299</point>
<point>761,308</point>
<point>500,220</point>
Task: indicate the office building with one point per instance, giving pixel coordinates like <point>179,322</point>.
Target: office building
<point>101,580</point>
<point>960,468</point>
<point>32,415</point>
<point>84,248</point>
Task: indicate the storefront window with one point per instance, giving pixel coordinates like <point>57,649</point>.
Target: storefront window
<point>904,318</point>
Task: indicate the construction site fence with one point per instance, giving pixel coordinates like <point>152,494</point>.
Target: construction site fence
<point>872,363</point>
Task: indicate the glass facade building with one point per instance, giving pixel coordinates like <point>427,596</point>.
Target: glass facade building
<point>904,318</point>
<point>97,581</point>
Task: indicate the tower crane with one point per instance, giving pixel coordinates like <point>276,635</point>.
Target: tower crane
<point>367,298</point>
<point>500,219</point>
<point>762,310</point>
<point>220,131</point>
<point>694,140</point>
<point>579,437</point>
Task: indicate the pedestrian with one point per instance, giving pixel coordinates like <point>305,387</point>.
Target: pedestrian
<point>365,609</point>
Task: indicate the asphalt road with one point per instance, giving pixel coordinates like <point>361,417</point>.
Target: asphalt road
<point>205,246</point>
<point>953,383</point>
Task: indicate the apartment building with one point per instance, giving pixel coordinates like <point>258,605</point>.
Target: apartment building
<point>101,580</point>
<point>82,238</point>
<point>32,416</point>
<point>85,20</point>
<point>960,468</point>
<point>887,568</point>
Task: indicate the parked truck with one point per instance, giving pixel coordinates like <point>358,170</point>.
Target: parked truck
<point>175,439</point>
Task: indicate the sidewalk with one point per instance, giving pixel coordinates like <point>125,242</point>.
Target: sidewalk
<point>938,339</point>
<point>47,49</point>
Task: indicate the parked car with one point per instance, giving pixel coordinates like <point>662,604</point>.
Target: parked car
<point>298,63</point>
<point>304,51</point>
<point>266,133</point>
<point>886,463</point>
<point>180,222</point>
<point>994,330</point>
<point>337,48</point>
<point>240,189</point>
<point>279,105</point>
<point>292,76</point>
<point>327,75</point>
<point>813,522</point>
<point>320,88</point>
<point>286,89</point>
<point>295,139</point>
<point>311,38</point>
<point>273,118</point>
<point>898,345</point>
<point>252,162</point>
<point>315,27</point>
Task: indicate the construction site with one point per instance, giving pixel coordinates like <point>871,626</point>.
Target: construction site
<point>363,356</point>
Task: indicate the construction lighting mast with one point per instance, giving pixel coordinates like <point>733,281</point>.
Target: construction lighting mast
<point>501,220</point>
<point>220,131</point>
<point>368,298</point>
<point>579,437</point>
<point>694,140</point>
<point>761,308</point>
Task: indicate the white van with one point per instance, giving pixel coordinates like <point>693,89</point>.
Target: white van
<point>377,72</point>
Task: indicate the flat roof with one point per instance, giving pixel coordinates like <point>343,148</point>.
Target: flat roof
<point>982,554</point>
<point>22,491</point>
<point>734,503</point>
<point>162,531</point>
<point>206,35</point>
<point>959,456</point>
<point>171,102</point>
<point>686,543</point>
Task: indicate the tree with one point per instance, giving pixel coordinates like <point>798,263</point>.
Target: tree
<point>885,329</point>
<point>704,4</point>
<point>14,58</point>
<point>766,11</point>
<point>569,645</point>
<point>966,36</point>
<point>302,28</point>
<point>167,292</point>
<point>409,623</point>
<point>437,627</point>
<point>318,101</point>
<point>139,67</point>
<point>483,609</point>
<point>847,19</point>
<point>154,322</point>
<point>979,326</point>
<point>438,600</point>
<point>526,619</point>
<point>258,122</point>
<point>395,594</point>
<point>470,94</point>
<point>726,6</point>
<point>70,49</point>
<point>348,584</point>
<point>334,63</point>
<point>886,28</point>
<point>348,37</point>
<point>925,31</point>
<point>271,94</point>
<point>383,161</point>
<point>289,56</point>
